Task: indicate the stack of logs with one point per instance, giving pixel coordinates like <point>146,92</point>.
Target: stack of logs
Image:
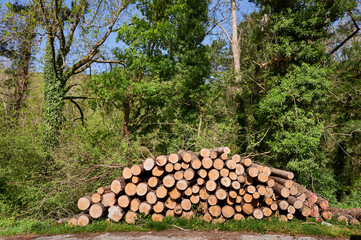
<point>211,184</point>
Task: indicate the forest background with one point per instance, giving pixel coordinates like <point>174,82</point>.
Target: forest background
<point>281,84</point>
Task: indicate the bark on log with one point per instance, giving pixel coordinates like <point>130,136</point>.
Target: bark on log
<point>285,182</point>
<point>282,173</point>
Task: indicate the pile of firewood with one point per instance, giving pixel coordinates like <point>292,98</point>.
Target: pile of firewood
<point>210,184</point>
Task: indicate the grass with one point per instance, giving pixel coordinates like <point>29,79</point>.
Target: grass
<point>10,227</point>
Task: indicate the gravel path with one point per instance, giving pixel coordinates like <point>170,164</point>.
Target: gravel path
<point>168,235</point>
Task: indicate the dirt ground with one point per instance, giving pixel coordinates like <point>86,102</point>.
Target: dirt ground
<point>168,235</point>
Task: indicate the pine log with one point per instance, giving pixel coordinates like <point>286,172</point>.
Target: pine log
<point>186,204</point>
<point>178,209</point>
<point>282,190</point>
<point>289,216</point>
<point>84,203</point>
<point>203,194</point>
<point>169,181</point>
<point>170,203</point>
<point>252,172</point>
<point>137,170</point>
<point>295,202</point>
<point>262,177</point>
<point>213,155</point>
<point>238,208</point>
<point>153,182</point>
<point>194,199</point>
<point>169,167</point>
<point>158,207</point>
<point>207,217</point>
<point>142,189</point>
<point>233,176</point>
<point>182,184</point>
<point>302,197</point>
<point>269,192</point>
<point>231,165</point>
<point>291,209</point>
<point>201,181</point>
<point>127,173</point>
<point>96,197</point>
<point>115,213</point>
<point>226,182</point>
<point>134,204</point>
<point>305,211</point>
<point>268,201</point>
<point>238,217</point>
<point>266,211</point>
<point>173,158</point>
<point>151,197</point>
<point>189,174</point>
<point>282,218</point>
<point>274,206</point>
<point>256,195</point>
<point>247,198</point>
<point>228,211</point>
<point>215,211</point>
<point>130,217</point>
<point>188,192</point>
<point>230,200</point>
<point>161,192</point>
<point>156,217</point>
<point>257,213</point>
<point>149,164</point>
<point>235,185</point>
<point>310,195</point>
<point>97,210</point>
<point>293,191</point>
<point>204,153</point>
<point>221,150</point>
<point>239,169</point>
<point>136,179</point>
<point>285,182</point>
<point>283,204</point>
<point>108,199</point>
<point>101,190</point>
<point>236,158</point>
<point>323,203</point>
<point>185,165</point>
<point>202,173</point>
<point>241,178</point>
<point>145,208</point>
<point>224,156</point>
<point>158,171</point>
<point>213,174</point>
<point>261,190</point>
<point>178,175</point>
<point>221,194</point>
<point>195,189</point>
<point>187,157</point>
<point>354,221</point>
<point>161,160</point>
<point>327,215</point>
<point>246,162</point>
<point>196,163</point>
<point>241,191</point>
<point>207,163</point>
<point>224,172</point>
<point>211,185</point>
<point>251,189</point>
<point>212,200</point>
<point>247,208</point>
<point>174,193</point>
<point>130,189</point>
<point>233,194</point>
<point>188,214</point>
<point>177,166</point>
<point>218,164</point>
<point>123,201</point>
<point>282,173</point>
<point>271,183</point>
<point>84,220</point>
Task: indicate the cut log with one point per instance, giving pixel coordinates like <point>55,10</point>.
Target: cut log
<point>226,181</point>
<point>187,157</point>
<point>130,217</point>
<point>153,182</point>
<point>123,201</point>
<point>282,218</point>
<point>115,213</point>
<point>256,195</point>
<point>241,178</point>
<point>291,209</point>
<point>187,214</point>
<point>213,174</point>
<point>212,200</point>
<point>178,209</point>
<point>268,201</point>
<point>178,175</point>
<point>231,165</point>
<point>169,181</point>
<point>246,162</point>
<point>196,164</point>
<point>282,173</point>
<point>201,181</point>
<point>262,177</point>
<point>189,174</point>
<point>182,184</point>
<point>293,191</point>
<point>96,197</point>
<point>228,211</point>
<point>170,203</point>
<point>149,164</point>
<point>236,185</point>
<point>252,172</point>
<point>283,204</point>
<point>218,220</point>
<point>101,190</point>
<point>282,190</point>
<point>233,176</point>
<point>238,208</point>
<point>327,215</point>
<point>257,213</point>
<point>238,217</point>
<point>236,158</point>
<point>97,210</point>
<point>161,192</point>
<point>247,198</point>
<point>84,220</point>
<point>213,155</point>
<point>251,189</point>
<point>142,189</point>
<point>230,200</point>
<point>296,203</point>
<point>136,179</point>
<point>224,156</point>
<point>175,193</point>
<point>151,197</point>
<point>134,204</point>
<point>218,164</point>
<point>261,190</point>
<point>312,198</point>
<point>188,192</point>
<point>127,173</point>
<point>302,197</point>
<point>169,167</point>
<point>285,182</point>
<point>211,185</point>
<point>145,208</point>
<point>289,216</point>
<point>203,194</point>
<point>173,158</point>
<point>221,194</point>
<point>84,203</point>
<point>137,170</point>
<point>130,189</point>
<point>195,199</point>
<point>156,217</point>
<point>195,189</point>
<point>247,208</point>
<point>239,169</point>
<point>108,199</point>
<point>215,211</point>
<point>177,166</point>
<point>305,211</point>
<point>202,173</point>
<point>185,165</point>
<point>207,163</point>
<point>271,183</point>
<point>267,170</point>
<point>169,212</point>
<point>221,150</point>
<point>323,203</point>
<point>241,191</point>
<point>269,192</point>
<point>224,172</point>
<point>207,217</point>
<point>157,171</point>
<point>233,194</point>
<point>158,207</point>
<point>204,152</point>
<point>161,160</point>
<point>186,204</point>
<point>266,211</point>
<point>274,206</point>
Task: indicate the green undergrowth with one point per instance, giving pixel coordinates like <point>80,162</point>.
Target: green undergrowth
<point>10,227</point>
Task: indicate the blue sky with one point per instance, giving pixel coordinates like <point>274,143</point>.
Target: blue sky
<point>245,7</point>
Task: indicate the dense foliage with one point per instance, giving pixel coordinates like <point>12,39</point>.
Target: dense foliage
<point>297,105</point>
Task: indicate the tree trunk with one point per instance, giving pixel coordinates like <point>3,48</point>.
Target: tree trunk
<point>235,48</point>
